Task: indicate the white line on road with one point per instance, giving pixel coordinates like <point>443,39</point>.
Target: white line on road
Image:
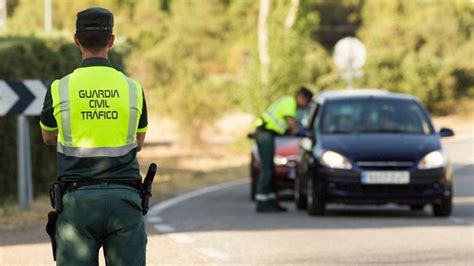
<point>180,238</point>
<point>164,228</point>
<point>458,220</point>
<point>160,207</point>
<point>154,219</point>
<point>460,167</point>
<point>459,138</point>
<point>213,253</point>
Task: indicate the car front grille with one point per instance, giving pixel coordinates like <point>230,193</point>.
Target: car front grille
<point>389,190</point>
<point>384,165</point>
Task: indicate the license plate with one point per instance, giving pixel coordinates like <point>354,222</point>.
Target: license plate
<point>386,177</point>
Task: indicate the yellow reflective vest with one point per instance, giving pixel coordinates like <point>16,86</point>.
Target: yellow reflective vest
<point>97,111</point>
<point>274,118</point>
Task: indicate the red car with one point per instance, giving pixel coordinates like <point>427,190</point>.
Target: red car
<point>286,152</point>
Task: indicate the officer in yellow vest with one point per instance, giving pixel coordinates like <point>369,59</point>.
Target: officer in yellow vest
<point>278,119</point>
<point>96,117</point>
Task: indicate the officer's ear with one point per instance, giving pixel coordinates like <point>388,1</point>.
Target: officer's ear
<point>76,41</point>
<point>111,41</point>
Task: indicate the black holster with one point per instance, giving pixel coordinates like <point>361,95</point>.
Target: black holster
<point>56,198</point>
<point>51,230</point>
<point>146,188</point>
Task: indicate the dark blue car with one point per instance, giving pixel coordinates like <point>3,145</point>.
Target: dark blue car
<point>372,147</point>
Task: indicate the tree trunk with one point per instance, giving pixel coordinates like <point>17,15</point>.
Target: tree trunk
<point>263,41</point>
<point>3,15</point>
<point>292,13</point>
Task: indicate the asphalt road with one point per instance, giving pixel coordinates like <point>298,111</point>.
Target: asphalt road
<point>218,225</point>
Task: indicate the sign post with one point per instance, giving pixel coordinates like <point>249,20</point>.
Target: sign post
<point>349,56</point>
<point>25,190</point>
<point>23,99</point>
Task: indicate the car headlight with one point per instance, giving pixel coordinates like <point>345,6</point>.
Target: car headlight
<point>280,160</point>
<point>434,159</point>
<point>335,160</point>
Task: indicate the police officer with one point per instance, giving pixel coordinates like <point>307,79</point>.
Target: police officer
<point>96,116</point>
<point>278,119</point>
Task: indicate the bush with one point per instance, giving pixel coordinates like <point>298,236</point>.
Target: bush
<point>420,48</point>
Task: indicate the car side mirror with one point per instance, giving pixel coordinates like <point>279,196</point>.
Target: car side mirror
<point>306,144</point>
<point>446,132</point>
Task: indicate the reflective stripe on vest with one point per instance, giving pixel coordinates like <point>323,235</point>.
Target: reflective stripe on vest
<point>281,126</point>
<point>96,152</point>
<point>132,121</point>
<point>64,107</point>
<point>69,143</point>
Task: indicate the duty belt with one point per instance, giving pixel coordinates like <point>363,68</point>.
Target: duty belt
<point>67,186</point>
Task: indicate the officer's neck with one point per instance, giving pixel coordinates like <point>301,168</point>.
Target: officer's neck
<point>89,54</point>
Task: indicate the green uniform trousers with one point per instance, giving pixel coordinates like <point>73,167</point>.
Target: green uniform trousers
<point>107,215</point>
<point>265,194</point>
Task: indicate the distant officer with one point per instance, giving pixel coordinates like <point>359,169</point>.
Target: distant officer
<point>278,119</point>
<point>96,116</point>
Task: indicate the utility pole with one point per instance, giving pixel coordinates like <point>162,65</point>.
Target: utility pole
<point>3,15</point>
<point>48,16</point>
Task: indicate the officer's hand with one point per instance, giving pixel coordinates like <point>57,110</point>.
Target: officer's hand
<point>140,141</point>
<point>293,126</point>
<point>50,137</point>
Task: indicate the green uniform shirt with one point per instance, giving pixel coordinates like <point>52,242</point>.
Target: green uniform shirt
<point>70,168</point>
<point>274,118</point>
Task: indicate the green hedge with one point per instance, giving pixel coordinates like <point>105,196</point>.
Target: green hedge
<point>33,58</point>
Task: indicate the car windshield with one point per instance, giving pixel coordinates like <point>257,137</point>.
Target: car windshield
<point>374,116</point>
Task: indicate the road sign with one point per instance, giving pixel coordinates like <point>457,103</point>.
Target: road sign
<point>349,53</point>
<point>349,56</point>
<point>22,97</point>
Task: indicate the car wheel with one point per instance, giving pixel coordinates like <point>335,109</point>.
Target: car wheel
<point>300,197</point>
<point>315,199</point>
<point>417,207</point>
<point>443,208</point>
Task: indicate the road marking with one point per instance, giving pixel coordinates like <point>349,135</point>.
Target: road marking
<point>160,207</point>
<point>154,219</point>
<point>460,167</point>
<point>164,228</point>
<point>458,220</point>
<point>459,138</point>
<point>213,253</point>
<point>463,200</point>
<point>180,238</point>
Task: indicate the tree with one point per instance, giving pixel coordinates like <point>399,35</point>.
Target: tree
<point>420,48</point>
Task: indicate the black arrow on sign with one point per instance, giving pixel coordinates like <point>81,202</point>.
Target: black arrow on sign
<point>25,97</point>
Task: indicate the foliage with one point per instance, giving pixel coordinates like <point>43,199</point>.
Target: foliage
<point>421,48</point>
<point>198,59</point>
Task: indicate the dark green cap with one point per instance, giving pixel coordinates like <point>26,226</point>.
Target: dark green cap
<point>95,19</point>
